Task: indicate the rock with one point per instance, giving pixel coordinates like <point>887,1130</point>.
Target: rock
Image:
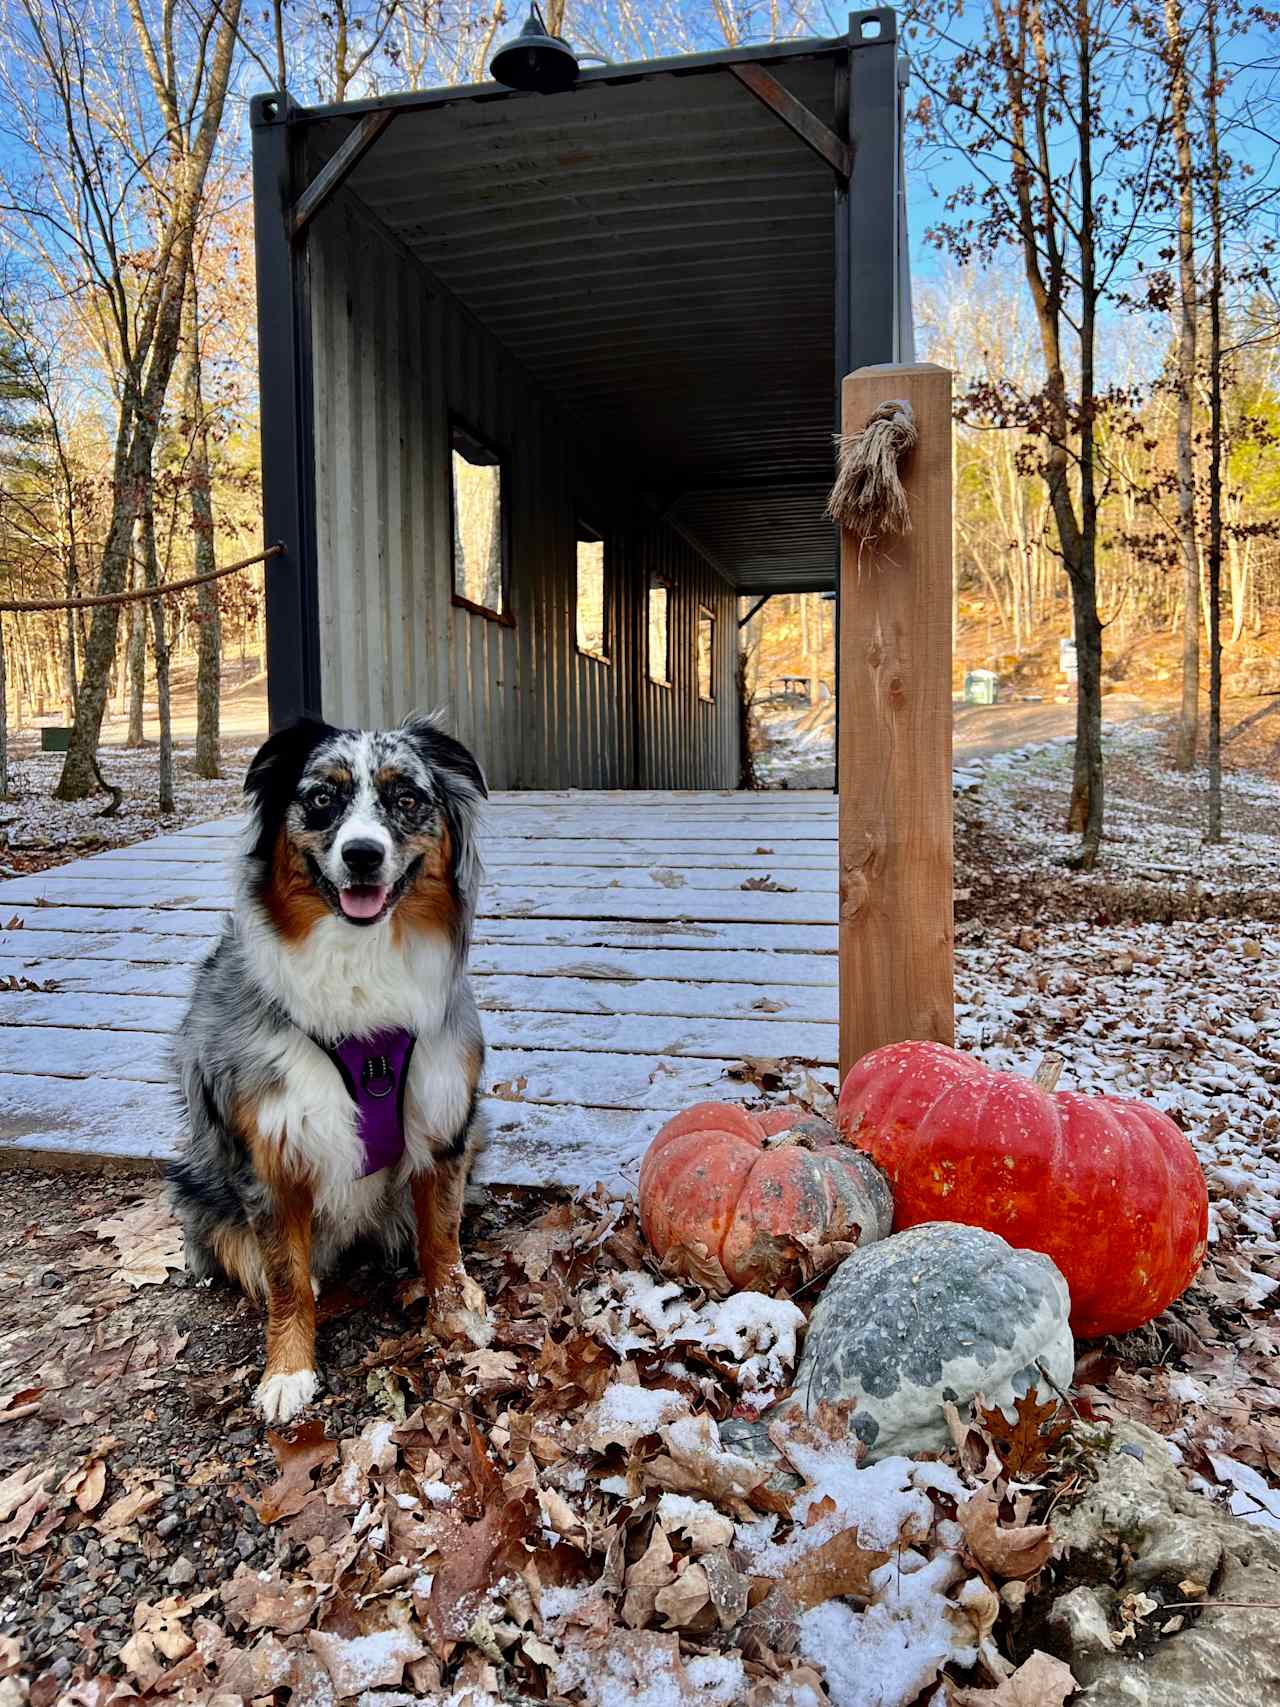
<point>940,1312</point>
<point>1079,1622</point>
<point>169,1525</point>
<point>181,1572</point>
<point>1139,1530</point>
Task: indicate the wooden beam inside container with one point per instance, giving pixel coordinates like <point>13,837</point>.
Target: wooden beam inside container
<point>897,975</point>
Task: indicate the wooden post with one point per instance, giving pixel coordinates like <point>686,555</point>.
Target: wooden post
<point>896,925</point>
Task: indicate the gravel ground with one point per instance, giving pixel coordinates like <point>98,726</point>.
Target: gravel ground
<point>37,831</point>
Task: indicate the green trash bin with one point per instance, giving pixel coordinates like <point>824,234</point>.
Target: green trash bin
<point>55,738</point>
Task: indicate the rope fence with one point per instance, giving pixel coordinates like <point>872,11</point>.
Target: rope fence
<point>166,588</point>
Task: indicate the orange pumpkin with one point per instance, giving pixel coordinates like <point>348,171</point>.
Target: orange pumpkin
<point>1110,1189</point>
<point>738,1200</point>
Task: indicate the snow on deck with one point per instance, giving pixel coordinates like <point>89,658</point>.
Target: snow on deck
<point>626,959</point>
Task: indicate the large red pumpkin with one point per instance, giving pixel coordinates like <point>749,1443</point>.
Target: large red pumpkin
<point>738,1200</point>
<point>1110,1189</point>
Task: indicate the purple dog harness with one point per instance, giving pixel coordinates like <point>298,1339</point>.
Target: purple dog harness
<point>375,1070</point>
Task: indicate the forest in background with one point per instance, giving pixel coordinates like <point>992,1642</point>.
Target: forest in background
<point>1093,184</point>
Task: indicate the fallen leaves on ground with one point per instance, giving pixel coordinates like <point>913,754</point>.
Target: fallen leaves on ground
<point>554,1513</point>
<point>148,1242</point>
<point>299,1454</point>
<point>1010,1551</point>
<point>1040,1681</point>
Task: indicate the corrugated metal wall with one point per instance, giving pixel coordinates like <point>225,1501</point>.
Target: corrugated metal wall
<point>393,355</point>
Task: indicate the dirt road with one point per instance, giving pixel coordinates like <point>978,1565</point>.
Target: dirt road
<point>981,730</point>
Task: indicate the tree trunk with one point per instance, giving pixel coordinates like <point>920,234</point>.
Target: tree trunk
<point>1188,544</point>
<point>1085,813</point>
<point>136,671</point>
<point>151,574</point>
<point>1215,436</point>
<point>145,391</point>
<point>4,722</point>
<point>209,622</point>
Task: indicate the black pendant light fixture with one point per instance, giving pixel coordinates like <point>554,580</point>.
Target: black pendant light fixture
<point>535,60</point>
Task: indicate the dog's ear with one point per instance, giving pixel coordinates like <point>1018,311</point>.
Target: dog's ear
<point>274,774</point>
<point>442,752</point>
<point>462,787</point>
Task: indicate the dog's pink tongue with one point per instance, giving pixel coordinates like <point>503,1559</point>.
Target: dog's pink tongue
<point>363,900</point>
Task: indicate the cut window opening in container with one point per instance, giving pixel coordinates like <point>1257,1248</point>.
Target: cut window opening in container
<point>590,563</point>
<point>659,624</point>
<point>479,524</point>
<point>706,654</point>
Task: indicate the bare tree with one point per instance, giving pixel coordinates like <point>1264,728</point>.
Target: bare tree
<point>200,493</point>
<point>96,193</point>
<point>1216,283</point>
<point>1187,313</point>
<point>1043,106</point>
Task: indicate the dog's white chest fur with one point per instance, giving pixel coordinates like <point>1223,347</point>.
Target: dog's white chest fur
<point>342,982</point>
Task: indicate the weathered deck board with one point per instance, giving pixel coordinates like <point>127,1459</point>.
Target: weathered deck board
<point>622,968</point>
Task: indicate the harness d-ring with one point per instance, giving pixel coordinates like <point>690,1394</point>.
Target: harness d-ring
<point>375,1067</point>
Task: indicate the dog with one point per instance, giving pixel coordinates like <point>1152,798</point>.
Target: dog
<point>330,1058</point>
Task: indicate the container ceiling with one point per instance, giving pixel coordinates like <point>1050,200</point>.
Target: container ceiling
<point>657,249</point>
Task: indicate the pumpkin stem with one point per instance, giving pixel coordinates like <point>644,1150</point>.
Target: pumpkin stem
<point>1048,1073</point>
<point>790,1139</point>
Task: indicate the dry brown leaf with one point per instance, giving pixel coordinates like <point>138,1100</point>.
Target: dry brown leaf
<point>839,1567</point>
<point>249,1674</point>
<point>696,1463</point>
<point>560,1516</point>
<point>91,1486</point>
<point>158,1639</point>
<point>703,1527</point>
<point>256,1600</point>
<point>374,1449</point>
<point>496,1370</point>
<point>17,1488</point>
<point>653,1571</point>
<point>358,1663</point>
<point>535,1248</point>
<point>625,1669</point>
<point>130,1506</point>
<point>148,1242</point>
<point>729,1588</point>
<point>301,1452</point>
<point>1006,1551</point>
<point>482,1553</point>
<point>1026,1446</point>
<point>1039,1681</point>
<point>685,1604</point>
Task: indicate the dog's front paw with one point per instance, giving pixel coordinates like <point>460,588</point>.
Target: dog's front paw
<point>281,1397</point>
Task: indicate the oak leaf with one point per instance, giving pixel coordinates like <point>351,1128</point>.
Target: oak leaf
<point>1012,1550</point>
<point>148,1242</point>
<point>839,1567</point>
<point>1025,1447</point>
<point>1039,1681</point>
<point>298,1454</point>
<point>359,1663</point>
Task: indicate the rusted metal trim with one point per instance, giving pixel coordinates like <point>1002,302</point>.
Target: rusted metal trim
<point>335,171</point>
<point>796,116</point>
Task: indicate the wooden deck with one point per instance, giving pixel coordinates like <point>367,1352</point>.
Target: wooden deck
<point>625,957</point>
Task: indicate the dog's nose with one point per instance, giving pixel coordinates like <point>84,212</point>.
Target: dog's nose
<point>362,859</point>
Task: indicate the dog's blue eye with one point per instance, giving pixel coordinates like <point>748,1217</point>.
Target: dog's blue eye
<point>321,798</point>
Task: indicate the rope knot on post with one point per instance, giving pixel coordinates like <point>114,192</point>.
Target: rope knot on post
<point>868,497</point>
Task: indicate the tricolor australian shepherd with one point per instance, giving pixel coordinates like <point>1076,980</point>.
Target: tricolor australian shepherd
<point>330,1056</point>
